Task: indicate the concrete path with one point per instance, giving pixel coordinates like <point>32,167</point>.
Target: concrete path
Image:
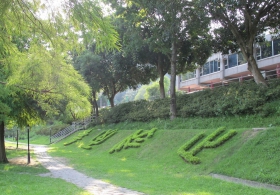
<point>253,184</point>
<point>59,170</point>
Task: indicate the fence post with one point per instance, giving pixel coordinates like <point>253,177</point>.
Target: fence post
<point>278,71</point>
<point>241,79</point>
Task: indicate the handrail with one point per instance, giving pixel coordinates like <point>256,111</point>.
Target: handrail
<point>76,126</point>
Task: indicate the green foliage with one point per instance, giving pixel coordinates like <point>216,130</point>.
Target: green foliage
<point>156,169</point>
<point>20,179</point>
<point>54,129</point>
<point>258,153</point>
<point>209,142</point>
<point>86,147</point>
<point>80,136</point>
<point>134,140</point>
<point>152,91</point>
<point>237,99</point>
<point>188,156</point>
<point>100,138</point>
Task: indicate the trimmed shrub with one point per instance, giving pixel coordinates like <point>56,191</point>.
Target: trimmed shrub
<point>78,137</point>
<point>134,140</point>
<point>209,142</point>
<point>236,99</point>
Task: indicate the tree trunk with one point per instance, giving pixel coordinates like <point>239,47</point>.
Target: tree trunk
<point>3,157</point>
<point>161,78</point>
<point>94,104</point>
<point>173,111</point>
<point>96,108</point>
<point>253,68</point>
<point>111,100</point>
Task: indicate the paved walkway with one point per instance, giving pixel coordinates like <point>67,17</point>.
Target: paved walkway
<point>253,184</point>
<point>59,170</point>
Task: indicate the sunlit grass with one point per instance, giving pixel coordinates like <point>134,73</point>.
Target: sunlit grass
<point>24,180</point>
<point>155,168</point>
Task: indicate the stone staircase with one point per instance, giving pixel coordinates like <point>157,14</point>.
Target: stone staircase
<point>76,126</point>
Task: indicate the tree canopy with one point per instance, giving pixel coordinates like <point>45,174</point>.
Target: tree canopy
<point>37,79</point>
<point>173,29</point>
<point>247,21</point>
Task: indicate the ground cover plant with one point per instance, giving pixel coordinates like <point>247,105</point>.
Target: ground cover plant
<point>156,168</point>
<point>100,138</point>
<point>134,140</point>
<point>21,179</point>
<point>209,142</point>
<point>78,137</point>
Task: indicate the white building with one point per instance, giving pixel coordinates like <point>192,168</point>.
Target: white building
<point>221,69</point>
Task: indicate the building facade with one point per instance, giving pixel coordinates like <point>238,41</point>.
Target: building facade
<point>221,69</point>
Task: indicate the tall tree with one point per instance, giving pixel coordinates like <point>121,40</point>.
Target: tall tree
<point>85,63</point>
<point>37,82</point>
<point>111,72</point>
<point>173,27</point>
<point>28,95</point>
<point>246,20</point>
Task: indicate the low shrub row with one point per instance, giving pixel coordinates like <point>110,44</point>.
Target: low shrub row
<point>134,140</point>
<point>236,99</point>
<point>53,129</point>
<point>211,141</point>
<point>78,137</point>
<point>100,138</point>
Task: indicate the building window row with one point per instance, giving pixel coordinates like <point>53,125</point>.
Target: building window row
<point>233,60</point>
<point>188,75</point>
<point>210,67</point>
<point>266,50</point>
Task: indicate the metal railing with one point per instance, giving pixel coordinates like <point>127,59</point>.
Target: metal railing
<point>76,126</point>
<point>275,73</point>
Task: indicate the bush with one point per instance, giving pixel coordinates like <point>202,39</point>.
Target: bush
<point>237,99</point>
<point>54,129</point>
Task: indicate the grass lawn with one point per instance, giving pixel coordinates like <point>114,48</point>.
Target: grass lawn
<point>36,139</point>
<point>20,179</point>
<point>156,168</point>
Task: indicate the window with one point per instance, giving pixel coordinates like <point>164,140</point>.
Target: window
<point>241,59</point>
<point>276,46</point>
<point>258,53</point>
<point>266,50</point>
<point>188,75</point>
<point>210,67</point>
<point>232,60</point>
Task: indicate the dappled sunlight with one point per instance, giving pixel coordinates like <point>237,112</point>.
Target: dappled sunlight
<point>130,175</point>
<point>123,159</point>
<point>8,167</point>
<point>84,193</point>
<point>80,145</point>
<point>106,180</point>
<point>125,171</point>
<point>197,193</point>
<point>111,171</point>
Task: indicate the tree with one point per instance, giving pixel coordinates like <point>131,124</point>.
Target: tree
<point>84,63</point>
<point>111,72</point>
<point>136,40</point>
<point>27,96</point>
<point>39,80</point>
<point>171,24</point>
<point>152,91</point>
<point>246,20</point>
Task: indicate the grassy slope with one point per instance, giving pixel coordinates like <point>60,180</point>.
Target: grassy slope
<point>155,167</point>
